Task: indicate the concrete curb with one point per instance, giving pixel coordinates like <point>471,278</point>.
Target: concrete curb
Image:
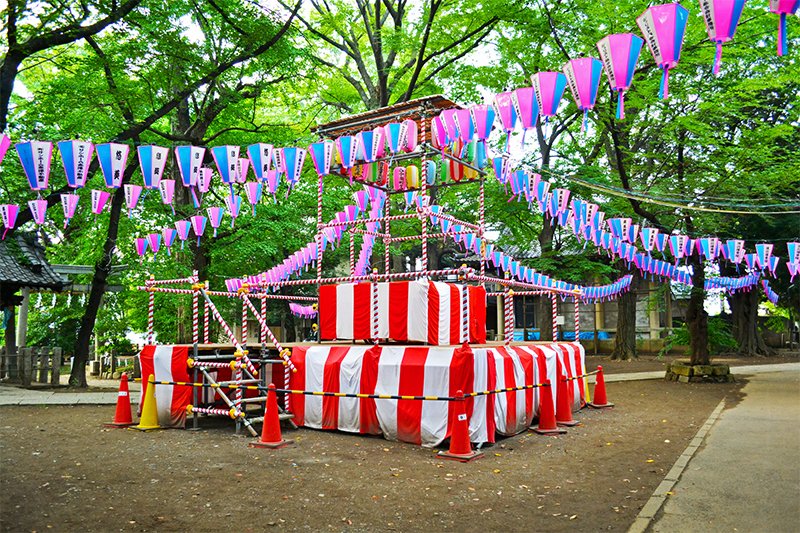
<point>659,497</point>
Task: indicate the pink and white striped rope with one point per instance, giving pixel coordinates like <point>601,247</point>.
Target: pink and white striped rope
<point>554,308</point>
<point>375,313</point>
<point>387,239</point>
<point>195,318</point>
<point>508,301</point>
<point>177,281</point>
<point>471,276</point>
<point>482,223</point>
<point>352,254</point>
<point>423,215</point>
<point>232,412</point>
<point>337,223</point>
<point>244,325</point>
<point>210,364</point>
<point>206,319</point>
<point>576,303</point>
<point>151,307</point>
<point>263,319</point>
<point>464,313</point>
<point>319,227</point>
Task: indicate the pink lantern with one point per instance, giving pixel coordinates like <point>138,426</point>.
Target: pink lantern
<point>152,160</point>
<point>273,179</point>
<point>234,205</point>
<point>183,227</point>
<point>782,8</point>
<point>722,17</point>
<point>483,118</point>
<point>504,105</point>
<point>619,53</point>
<point>198,225</point>
<point>5,142</point>
<point>395,134</point>
<point>141,247</point>
<point>69,202</point>
<point>154,242</point>
<point>38,210</point>
<point>132,193</point>
<point>254,190</point>
<point>663,28</point>
<point>583,78</point>
<point>215,215</point>
<point>466,128</point>
<point>99,200</point>
<point>412,135</point>
<point>167,190</point>
<point>8,214</point>
<point>439,133</point>
<point>527,108</point>
<point>322,155</point>
<point>242,169</point>
<point>549,87</point>
<point>169,235</point>
<point>113,158</point>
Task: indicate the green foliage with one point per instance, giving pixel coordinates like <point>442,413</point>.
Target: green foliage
<point>720,339</point>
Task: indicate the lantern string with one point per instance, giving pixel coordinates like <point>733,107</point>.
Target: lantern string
<point>718,58</point>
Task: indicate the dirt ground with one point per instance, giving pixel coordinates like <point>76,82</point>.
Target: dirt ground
<point>646,363</point>
<point>60,470</point>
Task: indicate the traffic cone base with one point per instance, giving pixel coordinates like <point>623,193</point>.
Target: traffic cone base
<point>554,431</point>
<point>464,458</point>
<point>569,424</point>
<point>271,445</point>
<point>117,425</point>
<point>598,406</point>
<point>271,438</point>
<point>149,418</point>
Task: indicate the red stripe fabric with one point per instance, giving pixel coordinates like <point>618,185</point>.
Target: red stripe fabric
<point>527,365</point>
<point>398,310</point>
<point>511,396</point>
<point>181,396</point>
<point>477,314</point>
<point>368,416</point>
<point>540,375</point>
<point>579,367</point>
<point>455,315</point>
<point>327,312</point>
<point>146,364</point>
<point>330,383</point>
<point>412,377</point>
<point>491,384</point>
<point>362,311</point>
<point>433,314</point>
<point>297,402</point>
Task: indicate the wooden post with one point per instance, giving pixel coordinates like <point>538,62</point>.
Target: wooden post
<point>42,364</point>
<point>55,376</point>
<point>24,366</point>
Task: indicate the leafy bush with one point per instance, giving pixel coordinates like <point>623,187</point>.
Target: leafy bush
<point>720,338</point>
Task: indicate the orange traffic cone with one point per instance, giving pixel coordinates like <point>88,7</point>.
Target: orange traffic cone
<point>460,447</point>
<point>271,430</point>
<point>563,404</point>
<point>600,398</point>
<point>123,417</point>
<point>547,413</point>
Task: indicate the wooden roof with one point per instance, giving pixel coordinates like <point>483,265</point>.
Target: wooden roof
<point>23,264</point>
<point>417,109</point>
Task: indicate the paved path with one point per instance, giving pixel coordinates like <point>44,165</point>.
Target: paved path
<point>745,472</point>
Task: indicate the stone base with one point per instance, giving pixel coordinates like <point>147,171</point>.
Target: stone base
<point>683,372</point>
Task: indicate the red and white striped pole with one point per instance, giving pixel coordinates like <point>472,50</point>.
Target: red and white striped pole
<point>464,313</point>
<point>244,325</point>
<point>482,223</point>
<point>319,230</point>
<point>151,306</point>
<point>554,305</point>
<point>352,254</point>
<point>576,303</point>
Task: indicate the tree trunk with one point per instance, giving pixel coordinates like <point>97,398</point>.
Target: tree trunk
<point>696,316</point>
<point>8,73</point>
<point>625,339</point>
<point>744,307</point>
<point>101,271</point>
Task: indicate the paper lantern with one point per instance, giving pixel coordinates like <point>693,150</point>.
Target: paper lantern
<point>619,53</point>
<point>663,27</point>
<point>260,158</point>
<point>152,160</point>
<point>722,17</point>
<point>234,204</point>
<point>322,156</point>
<point>783,8</point>
<point>132,194</point>
<point>583,79</point>
<point>549,87</point>
<point>504,107</point>
<point>215,215</point>
<point>69,202</point>
<point>5,143</point>
<point>167,190</point>
<point>254,190</point>
<point>183,227</point>
<point>168,235</point>
<point>412,135</point>
<point>35,157</point>
<point>293,159</point>
<point>190,163</point>
<point>483,119</point>
<point>8,214</point>
<point>113,158</point>
<point>526,107</point>
<point>76,157</point>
